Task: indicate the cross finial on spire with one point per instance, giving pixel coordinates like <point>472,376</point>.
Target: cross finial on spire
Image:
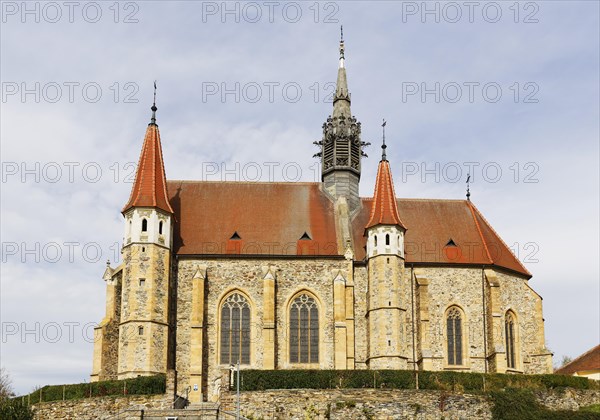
<point>154,108</point>
<point>468,185</point>
<point>383,145</point>
<point>341,45</point>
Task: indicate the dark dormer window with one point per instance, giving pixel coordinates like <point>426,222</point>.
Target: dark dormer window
<point>451,243</point>
<point>144,225</point>
<point>235,236</point>
<point>305,237</point>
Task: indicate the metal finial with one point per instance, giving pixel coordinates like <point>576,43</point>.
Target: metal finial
<point>341,42</point>
<point>468,185</point>
<point>154,108</point>
<point>383,145</point>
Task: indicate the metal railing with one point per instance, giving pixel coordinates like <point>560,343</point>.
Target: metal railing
<point>185,399</point>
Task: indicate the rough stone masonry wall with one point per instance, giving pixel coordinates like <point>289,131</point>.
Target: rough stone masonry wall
<point>245,275</point>
<point>463,287</point>
<point>97,408</point>
<point>358,404</point>
<point>360,316</point>
<point>300,404</point>
<point>517,296</point>
<point>316,404</point>
<point>144,306</point>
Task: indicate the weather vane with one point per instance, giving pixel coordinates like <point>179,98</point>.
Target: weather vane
<point>154,93</point>
<point>154,108</point>
<point>468,185</point>
<point>383,146</point>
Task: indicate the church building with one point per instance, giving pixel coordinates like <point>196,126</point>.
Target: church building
<point>309,275</point>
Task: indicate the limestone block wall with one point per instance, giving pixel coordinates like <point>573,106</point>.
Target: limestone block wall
<point>443,287</point>
<point>516,295</point>
<point>360,315</point>
<point>247,276</point>
<point>143,330</point>
<point>363,404</point>
<point>106,334</point>
<point>318,404</point>
<point>97,408</point>
<point>460,287</point>
<point>386,313</point>
<point>436,289</point>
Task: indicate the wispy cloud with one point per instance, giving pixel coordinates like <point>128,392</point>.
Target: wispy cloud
<point>190,50</point>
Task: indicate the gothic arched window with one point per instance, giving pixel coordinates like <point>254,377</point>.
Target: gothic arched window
<point>509,330</point>
<point>387,238</point>
<point>144,225</point>
<point>454,336</point>
<point>304,330</point>
<point>235,330</point>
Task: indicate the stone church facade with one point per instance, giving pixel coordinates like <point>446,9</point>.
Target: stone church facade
<point>310,276</point>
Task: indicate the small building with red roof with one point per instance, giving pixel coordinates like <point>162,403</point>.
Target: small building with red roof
<point>587,365</point>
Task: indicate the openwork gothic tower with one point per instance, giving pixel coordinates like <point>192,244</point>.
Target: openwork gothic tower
<point>341,145</point>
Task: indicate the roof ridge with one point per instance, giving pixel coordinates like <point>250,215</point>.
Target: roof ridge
<point>191,181</point>
<point>421,199</point>
<point>489,225</point>
<point>487,251</point>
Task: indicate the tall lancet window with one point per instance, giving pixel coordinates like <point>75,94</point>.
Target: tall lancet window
<point>304,330</point>
<point>509,330</point>
<point>235,330</point>
<point>454,336</point>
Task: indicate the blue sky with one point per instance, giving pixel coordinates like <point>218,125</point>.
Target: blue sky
<point>67,154</point>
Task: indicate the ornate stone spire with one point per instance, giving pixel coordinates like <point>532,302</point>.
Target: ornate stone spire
<point>341,100</point>
<point>341,146</point>
<point>150,186</point>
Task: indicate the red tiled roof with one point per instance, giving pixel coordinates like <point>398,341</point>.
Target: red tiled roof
<point>150,186</point>
<point>590,360</point>
<point>385,208</point>
<point>431,225</point>
<point>270,218</point>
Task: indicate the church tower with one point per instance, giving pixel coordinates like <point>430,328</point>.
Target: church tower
<point>385,265</point>
<point>341,146</point>
<point>144,326</point>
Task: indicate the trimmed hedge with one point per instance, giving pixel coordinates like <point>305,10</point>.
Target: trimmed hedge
<point>143,385</point>
<point>259,380</point>
<point>521,404</point>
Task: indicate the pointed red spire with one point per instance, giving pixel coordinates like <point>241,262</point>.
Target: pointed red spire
<point>150,186</point>
<point>385,207</point>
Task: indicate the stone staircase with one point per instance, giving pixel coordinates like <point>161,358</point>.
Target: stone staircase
<point>198,411</point>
